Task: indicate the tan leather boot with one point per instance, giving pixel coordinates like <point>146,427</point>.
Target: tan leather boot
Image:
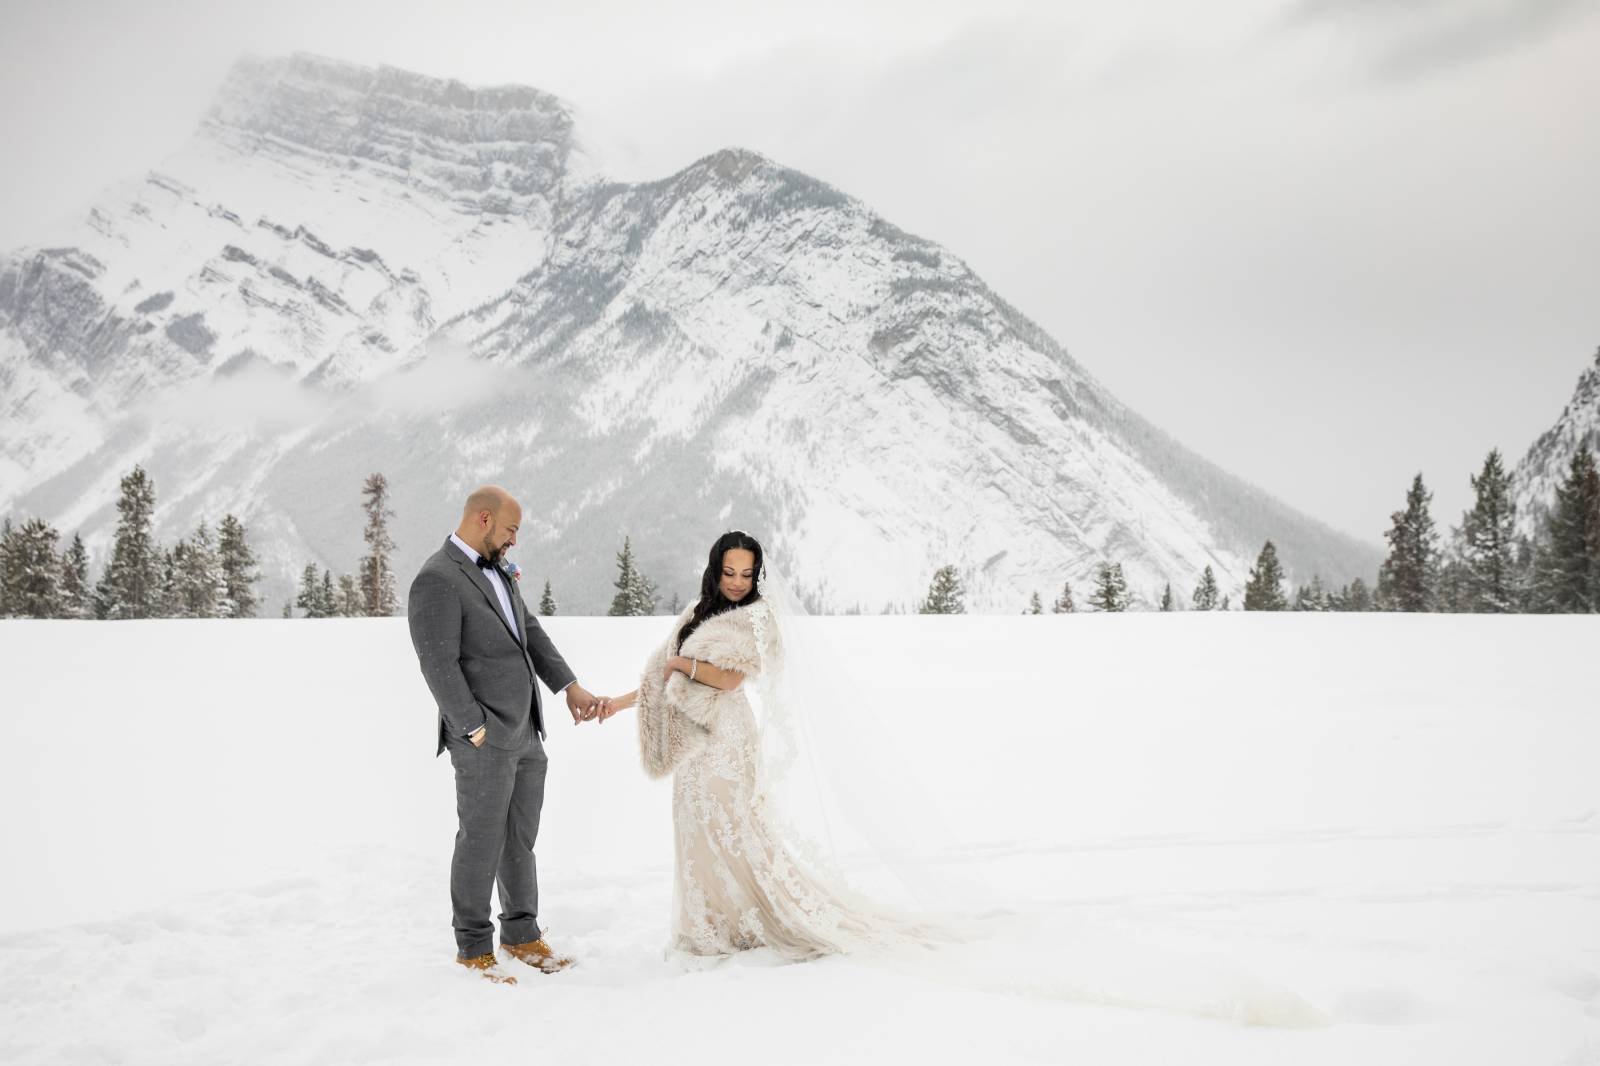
<point>489,966</point>
<point>537,953</point>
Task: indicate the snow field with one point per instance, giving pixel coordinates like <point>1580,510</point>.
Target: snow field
<point>1232,838</point>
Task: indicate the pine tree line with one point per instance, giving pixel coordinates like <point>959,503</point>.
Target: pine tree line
<point>1111,594</point>
<point>322,598</point>
<point>1484,566</point>
<point>202,576</point>
<point>370,591</point>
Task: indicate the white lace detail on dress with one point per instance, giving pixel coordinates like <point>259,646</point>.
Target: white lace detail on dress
<point>739,884</point>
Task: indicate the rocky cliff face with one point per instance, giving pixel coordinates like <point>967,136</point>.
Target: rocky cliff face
<point>352,270</point>
<point>1545,466</point>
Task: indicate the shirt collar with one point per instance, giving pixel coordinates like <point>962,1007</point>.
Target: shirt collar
<point>472,556</point>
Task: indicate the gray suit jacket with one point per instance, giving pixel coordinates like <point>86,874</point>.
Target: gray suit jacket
<point>480,671</point>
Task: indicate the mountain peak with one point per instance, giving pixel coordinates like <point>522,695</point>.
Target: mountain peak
<point>513,138</point>
<point>735,342</point>
<point>269,79</point>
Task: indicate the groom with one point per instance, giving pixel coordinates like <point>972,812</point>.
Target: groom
<point>480,649</point>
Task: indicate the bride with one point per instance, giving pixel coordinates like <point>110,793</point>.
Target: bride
<point>738,883</point>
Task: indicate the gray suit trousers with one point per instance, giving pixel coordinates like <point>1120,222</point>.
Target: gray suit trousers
<point>499,794</point>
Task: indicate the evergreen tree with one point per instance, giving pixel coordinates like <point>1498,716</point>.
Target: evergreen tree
<point>132,583</point>
<point>547,602</point>
<point>1110,588</point>
<point>198,582</point>
<point>1063,604</point>
<point>636,594</point>
<point>945,593</point>
<point>8,551</point>
<point>377,566</point>
<point>1312,597</point>
<point>310,598</point>
<point>1524,577</point>
<point>33,571</point>
<point>1453,595</point>
<point>645,593</point>
<point>167,604</point>
<point>330,599</point>
<point>1357,596</point>
<point>1488,541</point>
<point>1264,590</point>
<point>622,603</point>
<point>1035,605</point>
<point>288,609</point>
<point>1567,567</point>
<point>77,595</point>
<point>350,603</point>
<point>1592,486</point>
<point>239,574</point>
<point>1205,593</point>
<point>1409,580</point>
<point>1166,599</point>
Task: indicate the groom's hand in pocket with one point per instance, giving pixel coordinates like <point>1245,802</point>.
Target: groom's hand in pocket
<point>478,736</point>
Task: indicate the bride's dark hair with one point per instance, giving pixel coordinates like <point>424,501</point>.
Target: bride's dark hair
<point>712,602</point>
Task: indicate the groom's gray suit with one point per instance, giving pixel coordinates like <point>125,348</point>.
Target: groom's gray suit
<point>481,671</point>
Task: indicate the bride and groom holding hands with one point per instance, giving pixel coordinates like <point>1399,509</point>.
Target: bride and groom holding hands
<point>737,882</point>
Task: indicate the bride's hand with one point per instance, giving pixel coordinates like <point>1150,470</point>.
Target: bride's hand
<point>621,703</point>
<point>672,668</point>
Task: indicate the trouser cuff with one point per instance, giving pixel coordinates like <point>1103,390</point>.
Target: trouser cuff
<point>472,949</point>
<point>519,931</point>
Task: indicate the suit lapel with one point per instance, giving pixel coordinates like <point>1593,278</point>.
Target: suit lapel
<point>517,610</point>
<point>481,580</point>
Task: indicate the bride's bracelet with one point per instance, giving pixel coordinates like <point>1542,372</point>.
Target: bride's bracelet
<point>694,664</point>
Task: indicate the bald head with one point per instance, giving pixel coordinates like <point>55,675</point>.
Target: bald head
<point>490,520</point>
<point>486,498</point>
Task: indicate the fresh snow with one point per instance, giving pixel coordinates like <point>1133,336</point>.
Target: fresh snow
<point>1231,838</point>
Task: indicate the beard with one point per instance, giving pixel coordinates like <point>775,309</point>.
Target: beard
<point>488,550</point>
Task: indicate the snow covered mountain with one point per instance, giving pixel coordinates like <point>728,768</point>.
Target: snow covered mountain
<point>1545,466</point>
<point>351,270</point>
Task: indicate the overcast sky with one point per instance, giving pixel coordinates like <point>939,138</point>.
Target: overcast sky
<point>1326,243</point>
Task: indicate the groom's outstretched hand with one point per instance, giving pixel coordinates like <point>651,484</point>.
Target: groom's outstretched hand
<point>583,704</point>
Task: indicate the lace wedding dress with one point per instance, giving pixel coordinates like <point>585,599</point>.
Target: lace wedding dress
<point>740,881</point>
<point>745,880</point>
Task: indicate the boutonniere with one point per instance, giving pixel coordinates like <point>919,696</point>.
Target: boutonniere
<point>514,570</point>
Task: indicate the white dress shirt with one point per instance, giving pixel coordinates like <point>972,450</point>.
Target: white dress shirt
<point>496,579</point>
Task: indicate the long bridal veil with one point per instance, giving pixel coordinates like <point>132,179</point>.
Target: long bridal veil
<point>837,775</point>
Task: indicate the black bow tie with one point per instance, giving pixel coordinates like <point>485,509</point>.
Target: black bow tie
<point>484,563</point>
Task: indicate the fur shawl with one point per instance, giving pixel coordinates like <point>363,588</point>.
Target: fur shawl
<point>676,719</point>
